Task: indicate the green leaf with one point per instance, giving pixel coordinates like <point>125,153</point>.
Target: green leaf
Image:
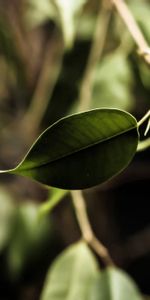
<point>29,233</point>
<point>113,88</point>
<point>86,26</point>
<point>82,150</point>
<point>71,275</point>
<point>114,284</point>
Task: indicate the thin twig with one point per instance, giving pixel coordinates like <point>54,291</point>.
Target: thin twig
<point>143,145</point>
<point>146,116</point>
<point>87,232</point>
<point>94,56</point>
<point>127,17</point>
<point>147,128</point>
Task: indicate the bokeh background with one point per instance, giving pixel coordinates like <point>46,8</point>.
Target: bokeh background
<point>44,53</point>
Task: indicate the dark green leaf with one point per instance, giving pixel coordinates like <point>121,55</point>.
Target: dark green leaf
<point>114,284</point>
<point>82,150</point>
<point>71,275</point>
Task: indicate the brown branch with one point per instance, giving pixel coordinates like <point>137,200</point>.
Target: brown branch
<point>127,17</point>
<point>87,232</point>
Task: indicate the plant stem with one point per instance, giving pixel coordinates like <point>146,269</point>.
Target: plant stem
<point>143,145</point>
<point>87,232</point>
<point>147,115</point>
<point>127,17</point>
<point>147,128</point>
<point>56,196</point>
<point>84,103</point>
<point>99,38</point>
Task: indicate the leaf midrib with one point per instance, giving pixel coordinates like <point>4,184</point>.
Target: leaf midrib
<point>72,152</point>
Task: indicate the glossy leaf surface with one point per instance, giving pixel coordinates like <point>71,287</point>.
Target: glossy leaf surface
<point>71,275</point>
<point>82,150</point>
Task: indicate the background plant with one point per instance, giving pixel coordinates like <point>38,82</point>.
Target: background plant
<point>58,58</point>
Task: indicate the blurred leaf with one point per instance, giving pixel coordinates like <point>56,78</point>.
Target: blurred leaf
<point>63,12</point>
<point>6,217</point>
<point>113,83</point>
<point>86,26</point>
<point>74,275</point>
<point>38,11</point>
<point>82,150</point>
<point>30,232</point>
<point>69,11</point>
<point>114,284</point>
<point>71,275</point>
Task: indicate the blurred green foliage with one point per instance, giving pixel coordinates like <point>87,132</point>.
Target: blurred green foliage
<point>7,212</point>
<point>23,233</point>
<point>44,50</point>
<point>83,279</point>
<point>114,83</point>
<point>29,236</point>
<point>71,275</point>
